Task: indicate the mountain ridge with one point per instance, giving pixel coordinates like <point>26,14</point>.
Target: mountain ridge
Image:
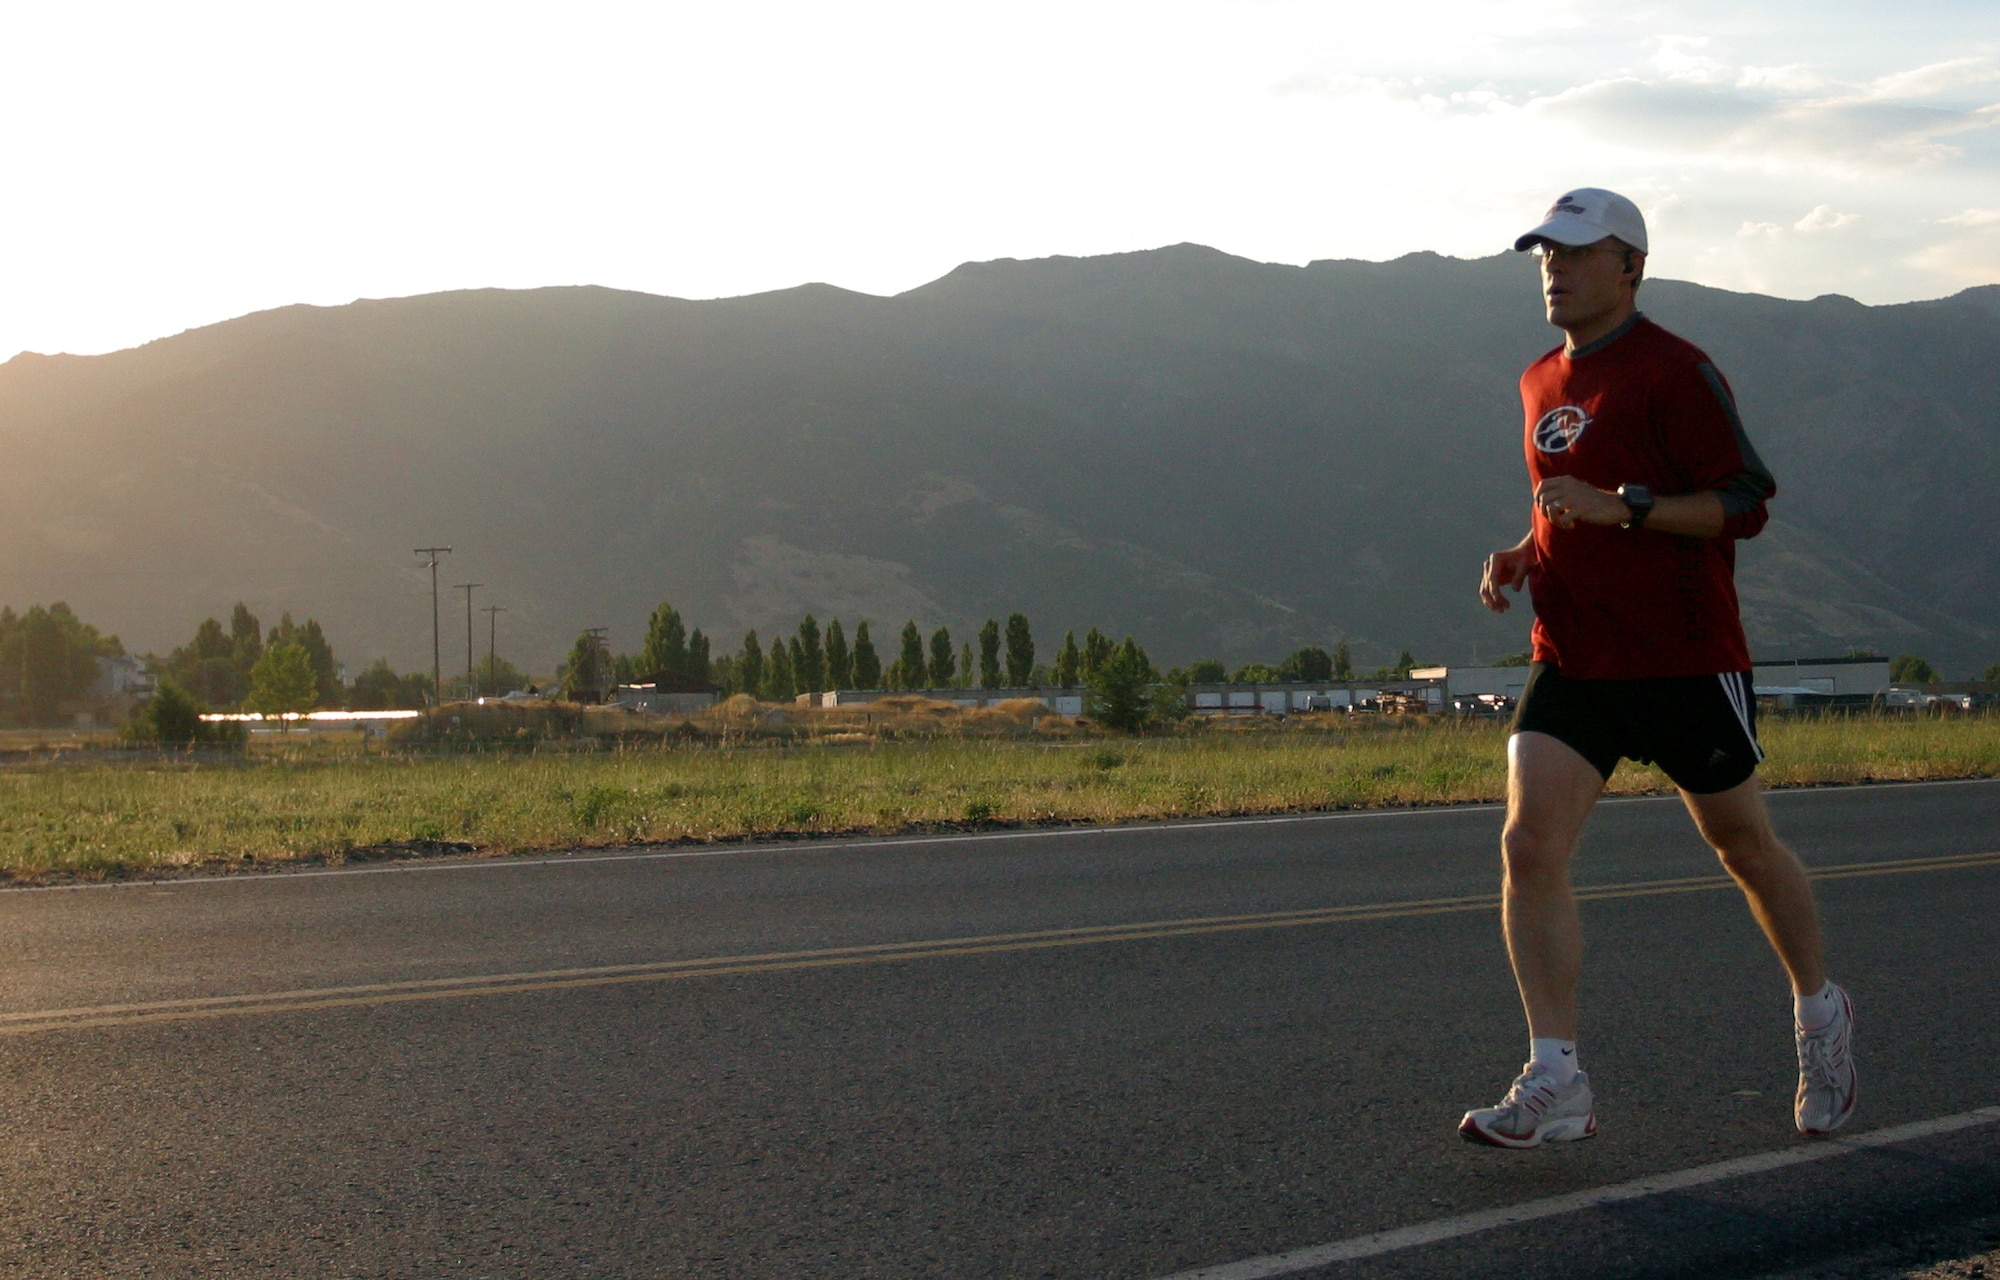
<point>1217,455</point>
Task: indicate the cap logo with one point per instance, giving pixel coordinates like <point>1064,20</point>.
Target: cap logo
<point>1560,428</point>
<point>1564,205</point>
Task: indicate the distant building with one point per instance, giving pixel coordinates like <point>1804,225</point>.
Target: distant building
<point>1783,679</point>
<point>1841,677</point>
<point>1470,682</point>
<point>1275,699</point>
<point>1063,702</point>
<point>1281,698</point>
<point>123,684</point>
<point>661,702</point>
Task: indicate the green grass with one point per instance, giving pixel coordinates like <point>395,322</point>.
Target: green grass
<point>109,817</point>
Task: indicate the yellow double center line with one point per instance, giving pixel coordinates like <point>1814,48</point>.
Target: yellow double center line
<point>493,984</point>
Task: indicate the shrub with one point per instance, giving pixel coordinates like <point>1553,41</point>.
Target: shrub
<point>283,680</point>
<point>172,717</point>
<point>1908,668</point>
<point>1169,698</point>
<point>1309,663</point>
<point>1117,694</point>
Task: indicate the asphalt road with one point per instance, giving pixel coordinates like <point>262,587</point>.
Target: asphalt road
<point>1128,1053</point>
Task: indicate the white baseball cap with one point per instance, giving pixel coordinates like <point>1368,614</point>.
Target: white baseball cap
<point>1587,215</point>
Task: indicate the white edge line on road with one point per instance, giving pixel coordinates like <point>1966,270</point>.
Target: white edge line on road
<point>836,845</point>
<point>1425,1233</point>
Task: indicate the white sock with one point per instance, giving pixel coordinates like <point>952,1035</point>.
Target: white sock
<point>1555,1059</point>
<point>1815,1011</point>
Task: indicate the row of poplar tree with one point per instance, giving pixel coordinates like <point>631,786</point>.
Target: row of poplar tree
<point>807,662</point>
<point>813,659</point>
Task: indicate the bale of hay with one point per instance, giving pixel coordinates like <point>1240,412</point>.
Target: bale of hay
<point>1022,708</point>
<point>913,704</point>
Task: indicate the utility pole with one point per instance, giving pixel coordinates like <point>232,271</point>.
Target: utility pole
<point>467,587</point>
<point>437,654</point>
<point>492,665</point>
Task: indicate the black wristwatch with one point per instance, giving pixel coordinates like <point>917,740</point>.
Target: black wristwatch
<point>1639,500</point>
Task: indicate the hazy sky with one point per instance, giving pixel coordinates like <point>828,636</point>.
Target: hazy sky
<point>168,166</point>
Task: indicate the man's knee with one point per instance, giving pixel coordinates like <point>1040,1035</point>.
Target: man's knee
<point>1737,826</point>
<point>1748,848</point>
<point>1550,790</point>
<point>1751,854</point>
<point>1532,856</point>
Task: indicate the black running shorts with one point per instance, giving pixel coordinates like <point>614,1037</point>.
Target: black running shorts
<point>1700,730</point>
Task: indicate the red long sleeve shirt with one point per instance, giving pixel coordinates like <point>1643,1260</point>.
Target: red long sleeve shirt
<point>1639,406</point>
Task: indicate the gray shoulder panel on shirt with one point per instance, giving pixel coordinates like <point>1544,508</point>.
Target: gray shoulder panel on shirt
<point>1747,488</point>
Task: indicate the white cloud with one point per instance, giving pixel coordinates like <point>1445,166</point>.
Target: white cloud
<point>1869,135</point>
<point>1968,258</point>
<point>1934,80</point>
<point>1792,80</point>
<point>1823,219</point>
<point>1820,221</point>
<point>1681,58</point>
<point>1844,132</point>
<point>185,164</point>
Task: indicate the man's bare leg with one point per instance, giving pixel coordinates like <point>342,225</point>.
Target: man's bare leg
<point>1737,826</point>
<point>1550,791</point>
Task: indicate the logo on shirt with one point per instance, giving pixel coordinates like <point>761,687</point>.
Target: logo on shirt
<point>1560,428</point>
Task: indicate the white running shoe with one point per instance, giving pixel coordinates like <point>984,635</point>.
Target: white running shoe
<point>1535,1110</point>
<point>1826,1071</point>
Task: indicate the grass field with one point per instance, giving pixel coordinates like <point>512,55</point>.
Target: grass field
<point>107,815</point>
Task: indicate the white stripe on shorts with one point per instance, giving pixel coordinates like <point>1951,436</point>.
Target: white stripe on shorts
<point>1736,687</point>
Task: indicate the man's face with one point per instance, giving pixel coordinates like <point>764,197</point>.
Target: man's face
<point>1584,284</point>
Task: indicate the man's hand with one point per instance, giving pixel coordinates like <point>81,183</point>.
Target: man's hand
<point>1566,500</point>
<point>1509,568</point>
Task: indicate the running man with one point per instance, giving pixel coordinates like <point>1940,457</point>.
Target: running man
<point>1643,480</point>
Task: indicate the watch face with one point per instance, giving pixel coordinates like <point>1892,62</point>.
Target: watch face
<point>1638,499</point>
